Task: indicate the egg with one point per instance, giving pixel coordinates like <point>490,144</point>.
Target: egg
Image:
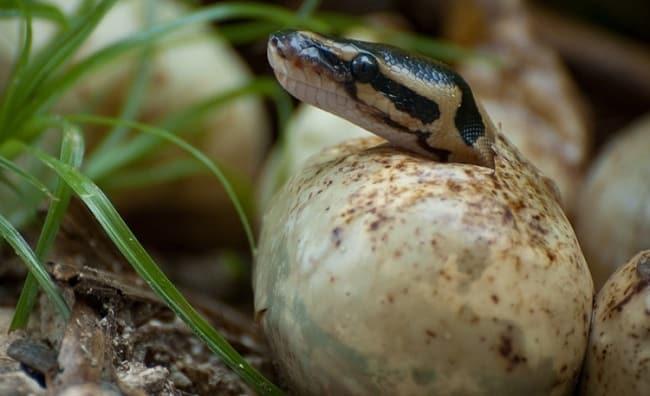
<point>383,272</point>
<point>618,356</point>
<point>613,218</point>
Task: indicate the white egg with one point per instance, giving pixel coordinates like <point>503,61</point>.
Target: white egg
<point>382,272</point>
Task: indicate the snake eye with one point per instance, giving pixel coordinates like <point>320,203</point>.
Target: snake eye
<point>364,68</point>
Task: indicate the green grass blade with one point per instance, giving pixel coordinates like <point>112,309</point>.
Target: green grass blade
<point>283,106</point>
<point>9,184</point>
<point>25,304</point>
<point>72,152</point>
<point>22,249</point>
<point>215,13</point>
<point>340,22</point>
<point>137,256</point>
<point>52,57</point>
<point>26,176</point>
<point>136,93</point>
<point>62,48</point>
<point>160,174</point>
<point>193,151</point>
<point>102,164</point>
<point>307,8</point>
<point>37,10</point>
<point>437,49</point>
<point>131,106</point>
<point>18,71</point>
<point>258,86</point>
<point>24,207</point>
<point>434,48</point>
<point>179,169</point>
<point>247,32</point>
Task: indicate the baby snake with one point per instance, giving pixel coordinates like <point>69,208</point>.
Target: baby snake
<point>413,102</point>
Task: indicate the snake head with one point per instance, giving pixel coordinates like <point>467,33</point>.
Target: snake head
<point>292,50</point>
<point>412,101</point>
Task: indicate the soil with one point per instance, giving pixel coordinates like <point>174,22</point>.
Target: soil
<point>121,338</point>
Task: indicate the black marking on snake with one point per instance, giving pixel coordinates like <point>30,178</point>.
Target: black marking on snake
<point>403,98</point>
<point>468,119</point>
<point>442,154</point>
<point>327,57</point>
<point>406,100</point>
<point>422,138</point>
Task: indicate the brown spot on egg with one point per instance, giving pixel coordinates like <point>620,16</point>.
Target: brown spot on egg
<point>505,347</point>
<point>336,236</point>
<point>507,215</point>
<point>453,186</point>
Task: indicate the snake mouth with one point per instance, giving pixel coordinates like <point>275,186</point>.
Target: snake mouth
<point>313,73</point>
<point>297,53</point>
<point>309,72</point>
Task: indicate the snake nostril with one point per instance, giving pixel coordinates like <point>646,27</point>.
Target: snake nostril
<point>274,41</point>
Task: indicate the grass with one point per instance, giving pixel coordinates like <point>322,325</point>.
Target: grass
<point>39,79</point>
<point>117,230</point>
<point>72,153</point>
<point>12,9</point>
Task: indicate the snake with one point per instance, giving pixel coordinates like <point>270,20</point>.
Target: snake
<point>414,102</point>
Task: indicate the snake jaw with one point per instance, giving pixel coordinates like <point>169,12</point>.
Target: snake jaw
<point>306,86</point>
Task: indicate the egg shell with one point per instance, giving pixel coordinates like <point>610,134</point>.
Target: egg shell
<point>618,356</point>
<point>382,272</point>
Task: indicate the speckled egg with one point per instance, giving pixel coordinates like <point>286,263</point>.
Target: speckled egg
<point>618,357</point>
<point>382,272</point>
<point>613,218</point>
